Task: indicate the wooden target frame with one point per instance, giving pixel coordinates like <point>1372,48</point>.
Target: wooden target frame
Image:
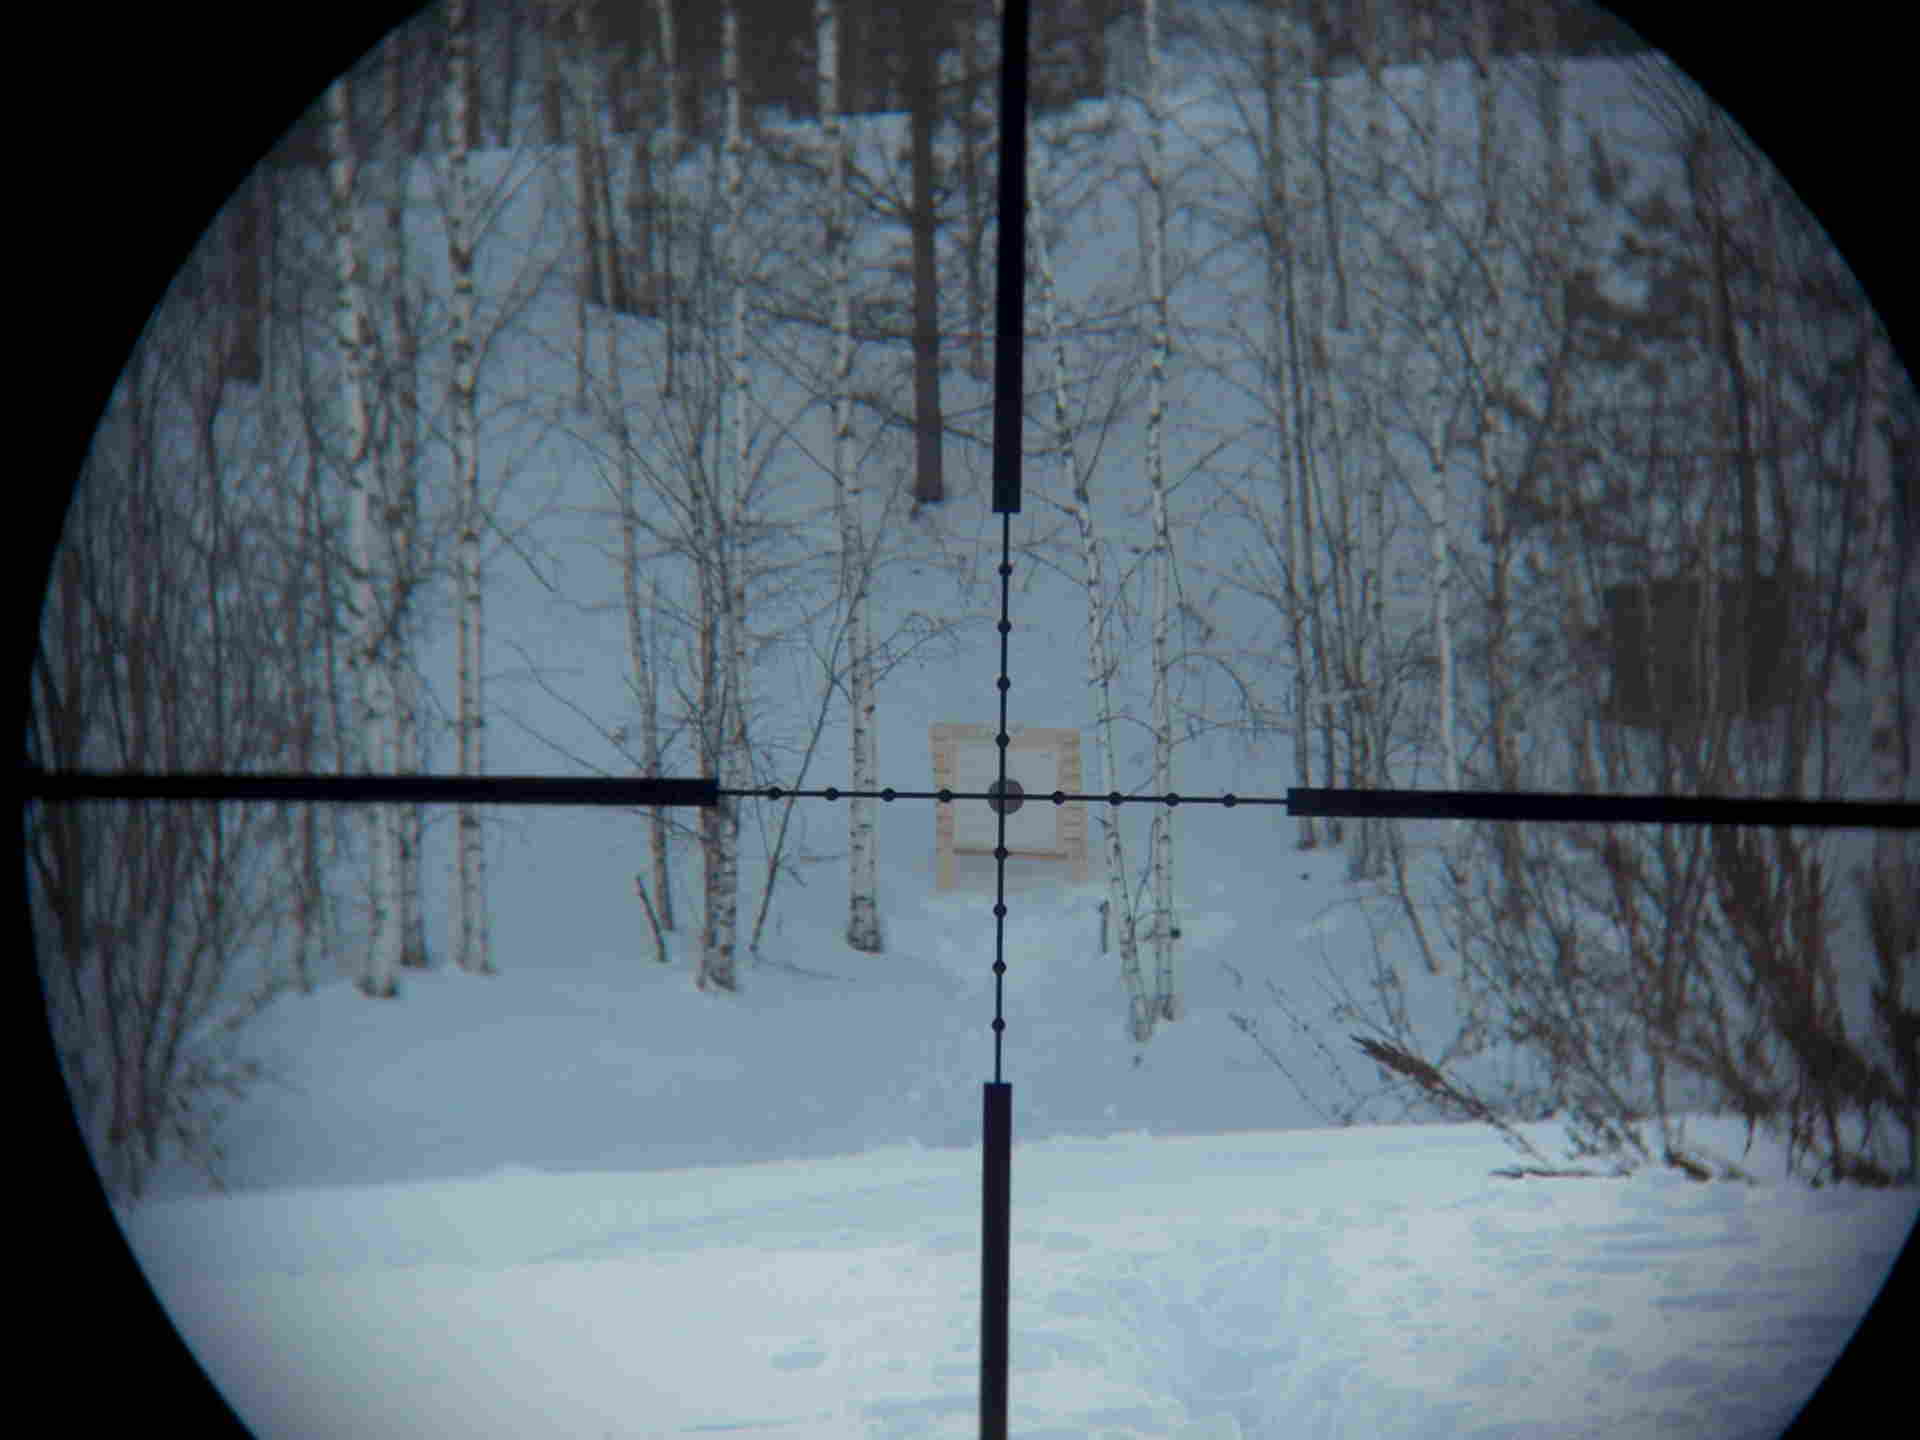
<point>1039,761</point>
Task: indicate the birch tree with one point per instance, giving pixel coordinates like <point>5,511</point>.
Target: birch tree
<point>1166,930</point>
<point>722,638</point>
<point>1100,662</point>
<point>472,941</point>
<point>863,912</point>
<point>398,395</point>
<point>367,649</point>
<point>734,541</point>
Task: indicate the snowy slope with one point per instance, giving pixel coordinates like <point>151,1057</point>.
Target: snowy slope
<point>582,1199</point>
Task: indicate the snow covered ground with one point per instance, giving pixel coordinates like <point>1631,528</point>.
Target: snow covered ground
<point>582,1199</point>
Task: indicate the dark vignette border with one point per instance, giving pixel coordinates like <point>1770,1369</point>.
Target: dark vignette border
<point>149,120</point>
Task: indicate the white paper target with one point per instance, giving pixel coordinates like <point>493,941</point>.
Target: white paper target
<point>1034,826</point>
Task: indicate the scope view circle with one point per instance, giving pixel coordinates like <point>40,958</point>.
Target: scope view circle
<point>583,409</point>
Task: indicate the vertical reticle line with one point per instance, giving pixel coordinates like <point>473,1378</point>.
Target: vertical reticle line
<point>1001,804</point>
<point>1009,411</point>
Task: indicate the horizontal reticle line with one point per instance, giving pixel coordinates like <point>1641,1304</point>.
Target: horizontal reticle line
<point>643,791</point>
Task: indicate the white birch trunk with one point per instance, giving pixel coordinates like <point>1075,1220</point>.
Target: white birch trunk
<point>403,406</point>
<point>472,945</point>
<point>734,548</point>
<point>717,969</point>
<point>863,899</point>
<point>1100,665</point>
<point>663,168</point>
<point>1166,932</point>
<point>366,648</point>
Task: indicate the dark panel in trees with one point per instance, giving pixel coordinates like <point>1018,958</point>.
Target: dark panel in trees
<point>1664,651</point>
<point>1067,56</point>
